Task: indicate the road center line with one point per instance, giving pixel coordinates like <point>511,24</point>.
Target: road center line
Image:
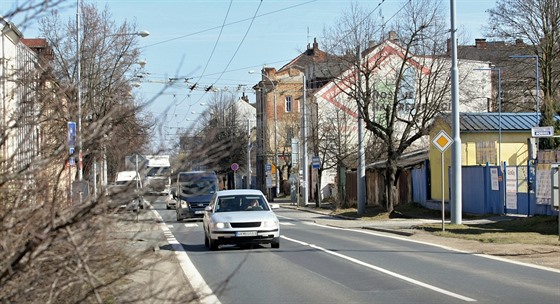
<point>383,270</point>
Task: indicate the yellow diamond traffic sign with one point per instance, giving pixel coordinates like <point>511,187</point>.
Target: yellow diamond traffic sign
<point>442,141</point>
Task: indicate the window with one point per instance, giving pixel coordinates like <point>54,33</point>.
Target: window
<point>486,152</point>
<point>288,104</point>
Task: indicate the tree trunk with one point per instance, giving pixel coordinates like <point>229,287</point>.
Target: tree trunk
<point>390,185</point>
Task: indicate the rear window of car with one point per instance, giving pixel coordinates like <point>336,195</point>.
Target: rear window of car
<point>241,203</point>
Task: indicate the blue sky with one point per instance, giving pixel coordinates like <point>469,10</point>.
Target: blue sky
<point>183,34</point>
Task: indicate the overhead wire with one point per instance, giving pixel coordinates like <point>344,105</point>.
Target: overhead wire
<point>228,24</point>
<point>236,50</point>
<point>211,53</point>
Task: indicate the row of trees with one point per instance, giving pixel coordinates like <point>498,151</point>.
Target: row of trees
<point>56,248</point>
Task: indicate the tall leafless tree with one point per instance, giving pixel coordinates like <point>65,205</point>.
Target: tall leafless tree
<point>377,84</point>
<point>536,21</point>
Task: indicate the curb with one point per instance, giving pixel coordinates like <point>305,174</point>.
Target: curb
<point>397,231</point>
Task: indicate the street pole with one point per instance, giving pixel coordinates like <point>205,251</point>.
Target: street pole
<point>79,101</point>
<point>248,154</point>
<point>276,173</point>
<point>304,139</point>
<point>456,178</point>
<point>361,154</point>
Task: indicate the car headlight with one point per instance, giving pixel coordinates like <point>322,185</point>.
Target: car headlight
<point>270,224</point>
<point>183,204</point>
<point>219,225</point>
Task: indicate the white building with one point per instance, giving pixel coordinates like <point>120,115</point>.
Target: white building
<point>337,113</point>
<point>18,91</point>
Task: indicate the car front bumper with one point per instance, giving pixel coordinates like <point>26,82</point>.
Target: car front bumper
<point>231,237</point>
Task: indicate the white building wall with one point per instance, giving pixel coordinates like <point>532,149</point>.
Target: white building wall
<point>474,91</point>
<point>18,93</point>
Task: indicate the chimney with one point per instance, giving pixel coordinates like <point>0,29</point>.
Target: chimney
<point>393,35</point>
<point>315,45</point>
<point>519,42</point>
<point>480,43</point>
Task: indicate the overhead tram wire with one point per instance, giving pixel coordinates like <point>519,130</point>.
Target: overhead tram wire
<point>237,50</point>
<point>217,40</point>
<point>228,24</point>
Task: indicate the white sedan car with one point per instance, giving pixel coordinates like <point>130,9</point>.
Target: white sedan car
<point>240,217</point>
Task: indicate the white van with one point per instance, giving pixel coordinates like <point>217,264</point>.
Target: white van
<point>126,191</point>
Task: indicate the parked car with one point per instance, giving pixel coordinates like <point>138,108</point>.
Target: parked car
<point>240,217</point>
<point>194,191</point>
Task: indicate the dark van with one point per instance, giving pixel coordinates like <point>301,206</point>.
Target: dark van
<point>194,192</point>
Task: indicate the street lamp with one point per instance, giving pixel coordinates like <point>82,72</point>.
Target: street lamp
<point>499,109</point>
<point>536,57</point>
<point>276,175</point>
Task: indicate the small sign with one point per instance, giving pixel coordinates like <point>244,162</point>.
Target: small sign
<point>268,167</point>
<point>316,162</point>
<point>71,134</point>
<point>442,141</point>
<point>235,166</point>
<point>542,131</point>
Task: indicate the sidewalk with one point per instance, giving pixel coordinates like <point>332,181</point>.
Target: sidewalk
<point>159,278</point>
<point>402,226</point>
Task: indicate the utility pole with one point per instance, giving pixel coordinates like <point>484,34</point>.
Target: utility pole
<point>456,178</point>
<point>361,154</point>
<point>304,139</point>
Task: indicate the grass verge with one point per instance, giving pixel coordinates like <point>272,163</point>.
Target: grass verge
<point>515,230</point>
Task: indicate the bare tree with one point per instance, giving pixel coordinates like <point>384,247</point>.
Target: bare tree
<point>536,21</point>
<point>54,249</point>
<point>220,138</point>
<point>108,54</point>
<point>398,85</point>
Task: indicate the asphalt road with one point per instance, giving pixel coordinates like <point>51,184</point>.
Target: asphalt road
<point>322,264</point>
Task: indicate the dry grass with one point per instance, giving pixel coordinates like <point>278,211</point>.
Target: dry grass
<point>526,230</point>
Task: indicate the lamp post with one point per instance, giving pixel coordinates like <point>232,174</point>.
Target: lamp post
<point>499,109</point>
<point>276,175</point>
<point>536,57</point>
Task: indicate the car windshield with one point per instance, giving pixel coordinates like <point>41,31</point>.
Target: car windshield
<point>159,171</point>
<point>241,203</point>
<point>198,187</point>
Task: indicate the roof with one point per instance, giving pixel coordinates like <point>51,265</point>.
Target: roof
<point>406,160</point>
<point>483,122</point>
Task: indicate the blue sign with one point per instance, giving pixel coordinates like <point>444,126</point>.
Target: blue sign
<point>316,162</point>
<point>71,134</point>
<point>268,167</point>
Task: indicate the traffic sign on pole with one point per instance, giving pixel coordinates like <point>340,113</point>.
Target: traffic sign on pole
<point>442,141</point>
<point>316,162</point>
<point>542,131</point>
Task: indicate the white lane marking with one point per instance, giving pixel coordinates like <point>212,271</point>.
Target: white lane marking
<point>190,225</point>
<point>383,270</point>
<point>204,292</point>
<point>396,237</point>
<point>286,224</point>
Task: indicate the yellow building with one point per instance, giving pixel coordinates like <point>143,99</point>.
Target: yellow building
<point>486,139</point>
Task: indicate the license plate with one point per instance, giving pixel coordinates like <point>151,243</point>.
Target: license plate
<point>199,212</point>
<point>246,233</point>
